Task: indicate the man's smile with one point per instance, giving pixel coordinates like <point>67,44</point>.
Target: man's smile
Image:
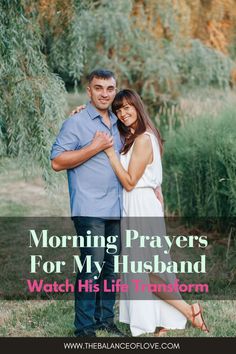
<point>103,100</point>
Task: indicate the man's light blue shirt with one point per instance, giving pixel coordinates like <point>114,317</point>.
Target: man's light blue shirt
<point>93,186</point>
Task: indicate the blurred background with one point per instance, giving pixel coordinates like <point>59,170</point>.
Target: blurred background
<point>179,55</point>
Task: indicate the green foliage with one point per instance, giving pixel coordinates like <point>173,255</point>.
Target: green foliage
<point>203,66</point>
<point>200,167</point>
<point>108,32</point>
<point>159,69</point>
<point>74,39</point>
<point>31,97</point>
<point>138,59</point>
<point>168,116</point>
<point>64,39</point>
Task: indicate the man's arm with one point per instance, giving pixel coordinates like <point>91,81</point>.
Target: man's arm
<point>70,159</point>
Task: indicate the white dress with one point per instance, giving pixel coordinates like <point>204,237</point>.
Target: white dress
<point>144,316</point>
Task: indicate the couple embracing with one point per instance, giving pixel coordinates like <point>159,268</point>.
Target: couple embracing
<point>113,163</point>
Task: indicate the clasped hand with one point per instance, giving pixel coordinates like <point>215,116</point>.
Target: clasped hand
<point>103,142</point>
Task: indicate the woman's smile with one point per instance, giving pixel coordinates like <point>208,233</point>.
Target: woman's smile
<point>125,119</point>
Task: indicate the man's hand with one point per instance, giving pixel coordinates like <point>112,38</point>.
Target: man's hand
<point>78,109</point>
<point>102,141</point>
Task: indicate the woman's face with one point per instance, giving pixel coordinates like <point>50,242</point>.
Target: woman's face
<point>127,114</point>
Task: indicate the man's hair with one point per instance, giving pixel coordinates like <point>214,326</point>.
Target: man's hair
<point>101,74</point>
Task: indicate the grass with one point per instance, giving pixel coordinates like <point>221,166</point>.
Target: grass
<point>12,208</point>
<point>55,319</point>
<point>52,318</point>
<point>199,167</point>
<point>28,197</point>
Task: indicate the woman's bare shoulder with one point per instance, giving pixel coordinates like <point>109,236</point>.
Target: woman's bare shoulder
<point>143,143</point>
<point>143,139</point>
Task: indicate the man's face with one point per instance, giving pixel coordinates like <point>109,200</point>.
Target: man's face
<point>102,92</point>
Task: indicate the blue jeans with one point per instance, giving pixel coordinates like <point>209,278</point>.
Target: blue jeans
<point>95,308</point>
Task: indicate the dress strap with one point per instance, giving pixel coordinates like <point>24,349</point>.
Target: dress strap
<point>148,133</point>
<point>155,144</point>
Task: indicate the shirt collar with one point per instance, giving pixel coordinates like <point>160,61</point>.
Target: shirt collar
<point>94,113</point>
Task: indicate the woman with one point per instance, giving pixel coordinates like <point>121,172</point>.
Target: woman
<point>139,170</point>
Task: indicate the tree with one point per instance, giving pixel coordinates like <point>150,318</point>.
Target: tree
<point>41,40</point>
<point>64,39</point>
<point>31,97</point>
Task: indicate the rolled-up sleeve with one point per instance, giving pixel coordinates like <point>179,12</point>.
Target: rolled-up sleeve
<point>67,139</point>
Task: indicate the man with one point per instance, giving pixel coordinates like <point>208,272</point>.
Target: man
<point>95,194</point>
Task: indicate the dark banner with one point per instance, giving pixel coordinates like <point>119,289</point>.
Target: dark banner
<point>153,258</point>
<point>150,345</point>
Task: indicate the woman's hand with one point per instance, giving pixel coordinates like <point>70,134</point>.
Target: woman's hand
<point>102,141</point>
<point>159,195</point>
<point>78,109</point>
<point>107,142</point>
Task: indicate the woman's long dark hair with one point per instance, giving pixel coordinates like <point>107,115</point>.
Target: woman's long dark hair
<point>143,121</point>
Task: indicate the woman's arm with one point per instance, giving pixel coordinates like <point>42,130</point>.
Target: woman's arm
<point>159,195</point>
<point>78,109</point>
<point>140,158</point>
